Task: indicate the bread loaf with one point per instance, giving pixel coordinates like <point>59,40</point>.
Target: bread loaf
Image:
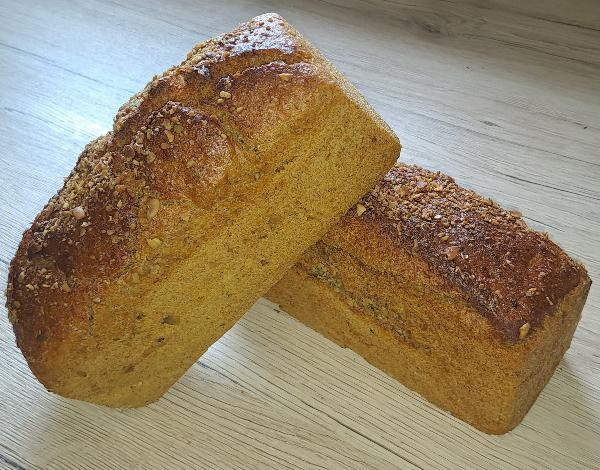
<point>213,182</point>
<point>445,291</point>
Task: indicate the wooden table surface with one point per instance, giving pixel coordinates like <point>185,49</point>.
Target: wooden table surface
<point>504,96</point>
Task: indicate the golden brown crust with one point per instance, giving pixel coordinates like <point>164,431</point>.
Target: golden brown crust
<point>200,146</point>
<point>213,63</point>
<point>513,275</point>
<point>382,283</point>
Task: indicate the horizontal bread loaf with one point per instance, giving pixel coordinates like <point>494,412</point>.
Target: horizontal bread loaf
<point>213,182</point>
<point>445,291</point>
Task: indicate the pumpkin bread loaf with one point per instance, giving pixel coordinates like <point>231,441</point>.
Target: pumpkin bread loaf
<point>213,182</point>
<point>445,291</point>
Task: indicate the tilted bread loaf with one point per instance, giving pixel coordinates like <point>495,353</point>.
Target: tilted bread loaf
<point>212,183</point>
<point>444,290</point>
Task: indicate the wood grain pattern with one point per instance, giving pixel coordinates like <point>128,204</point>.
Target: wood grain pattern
<point>503,95</point>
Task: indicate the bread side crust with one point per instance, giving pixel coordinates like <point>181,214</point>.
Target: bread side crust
<point>479,380</point>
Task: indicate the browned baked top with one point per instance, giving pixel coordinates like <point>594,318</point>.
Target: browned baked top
<point>511,274</point>
<point>196,129</point>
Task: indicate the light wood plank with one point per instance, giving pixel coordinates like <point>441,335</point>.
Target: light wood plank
<point>503,95</point>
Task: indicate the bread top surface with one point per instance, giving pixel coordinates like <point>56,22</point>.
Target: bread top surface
<point>512,275</point>
<point>194,133</point>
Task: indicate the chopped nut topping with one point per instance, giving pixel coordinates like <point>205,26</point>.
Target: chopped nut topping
<point>285,76</point>
<point>96,300</point>
<point>154,243</point>
<point>29,286</point>
<point>170,136</point>
<point>153,206</point>
<point>427,214</point>
<point>403,192</point>
<point>21,277</point>
<point>78,212</point>
<point>452,252</point>
<point>523,330</point>
<point>65,287</point>
<point>360,209</point>
<point>485,237</point>
<point>549,301</point>
<point>257,175</point>
<point>240,109</point>
<point>225,94</point>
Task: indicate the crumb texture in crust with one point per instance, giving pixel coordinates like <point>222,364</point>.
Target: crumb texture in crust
<point>199,146</point>
<point>511,274</point>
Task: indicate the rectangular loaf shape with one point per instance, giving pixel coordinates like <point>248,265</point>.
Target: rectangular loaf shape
<point>214,181</point>
<point>445,291</point>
